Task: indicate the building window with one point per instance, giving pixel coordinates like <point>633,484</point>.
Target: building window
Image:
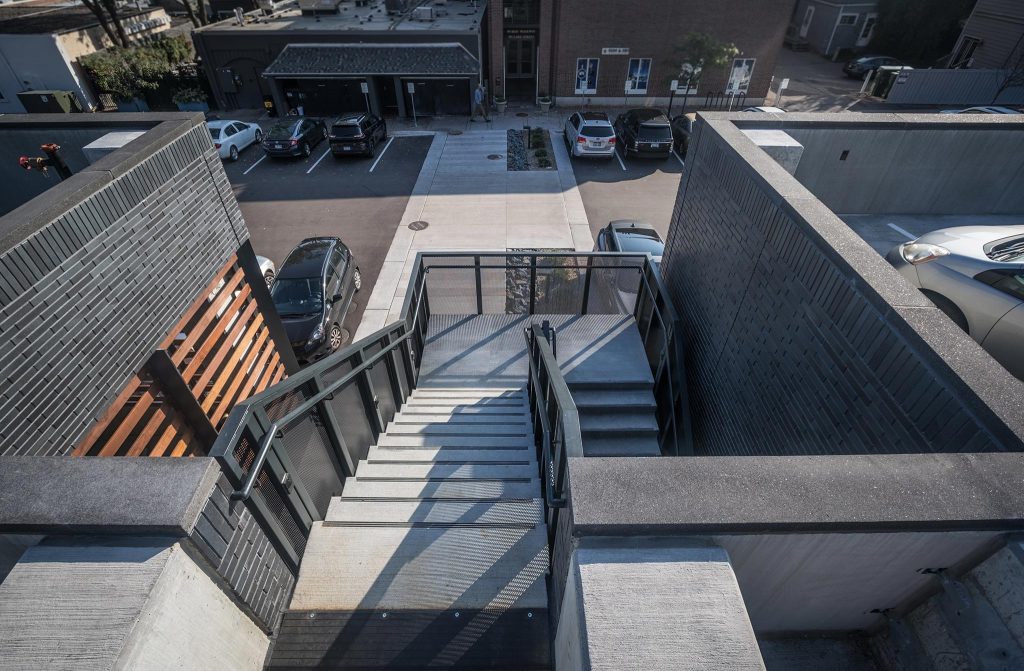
<point>586,75</point>
<point>848,19</point>
<point>964,55</point>
<point>739,76</point>
<point>639,74</point>
<point>522,12</point>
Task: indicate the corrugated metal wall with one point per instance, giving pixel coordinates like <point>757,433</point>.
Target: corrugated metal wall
<point>954,87</point>
<point>94,272</point>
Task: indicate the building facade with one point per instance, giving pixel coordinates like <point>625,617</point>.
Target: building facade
<point>992,38</point>
<point>831,28</point>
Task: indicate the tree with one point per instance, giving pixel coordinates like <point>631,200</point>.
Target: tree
<point>108,14</point>
<point>128,72</point>
<point>196,13</point>
<point>919,32</point>
<point>700,52</point>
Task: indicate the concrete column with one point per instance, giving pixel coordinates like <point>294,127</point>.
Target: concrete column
<point>280,102</point>
<point>652,604</point>
<point>402,112</point>
<point>545,47</point>
<point>496,25</point>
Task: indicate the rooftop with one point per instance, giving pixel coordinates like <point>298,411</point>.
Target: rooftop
<point>41,17</point>
<point>450,16</point>
<point>380,59</point>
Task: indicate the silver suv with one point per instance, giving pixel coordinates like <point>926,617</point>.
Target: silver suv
<point>590,134</point>
<point>975,274</point>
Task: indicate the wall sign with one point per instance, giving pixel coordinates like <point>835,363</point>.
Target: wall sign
<point>615,51</point>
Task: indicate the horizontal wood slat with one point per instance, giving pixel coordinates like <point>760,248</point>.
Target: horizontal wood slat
<point>224,353</point>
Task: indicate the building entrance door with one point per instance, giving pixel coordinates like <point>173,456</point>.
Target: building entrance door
<point>521,67</point>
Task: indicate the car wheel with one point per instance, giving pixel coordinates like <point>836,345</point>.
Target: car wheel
<point>357,280</point>
<point>233,153</point>
<point>371,149</point>
<point>948,308</point>
<point>335,337</point>
<point>269,278</point>
<point>258,137</point>
<point>306,150</point>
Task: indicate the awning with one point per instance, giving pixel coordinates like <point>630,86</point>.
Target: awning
<point>353,60</point>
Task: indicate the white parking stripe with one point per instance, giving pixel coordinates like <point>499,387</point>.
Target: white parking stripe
<point>619,159</point>
<point>910,236</point>
<point>678,158</point>
<point>322,156</point>
<point>261,159</point>
<point>381,155</point>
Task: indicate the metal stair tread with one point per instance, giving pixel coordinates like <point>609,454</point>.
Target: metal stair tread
<point>433,490</point>
<point>440,513</point>
<point>369,471</point>
<point>435,455</point>
<point>613,399</point>
<point>432,428</point>
<point>632,423</point>
<point>616,446</point>
<point>420,440</point>
<point>403,417</point>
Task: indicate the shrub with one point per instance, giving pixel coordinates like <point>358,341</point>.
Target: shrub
<point>541,153</point>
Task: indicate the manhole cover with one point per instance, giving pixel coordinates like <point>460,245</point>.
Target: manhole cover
<point>455,132</point>
<point>418,225</point>
<point>522,114</point>
<point>495,157</point>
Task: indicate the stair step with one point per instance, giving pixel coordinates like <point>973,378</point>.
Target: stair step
<point>490,442</point>
<point>604,400</point>
<point>435,513</point>
<point>597,385</point>
<point>455,490</point>
<point>519,419</point>
<point>368,568</point>
<point>442,455</point>
<point>369,471</point>
<point>496,411</point>
<point>615,446</point>
<point>516,395</point>
<point>466,401</point>
<point>513,639</point>
<point>423,429</point>
<point>618,423</point>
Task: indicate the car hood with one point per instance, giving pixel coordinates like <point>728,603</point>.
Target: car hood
<point>970,241</point>
<point>300,328</point>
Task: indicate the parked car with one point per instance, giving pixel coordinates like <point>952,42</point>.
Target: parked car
<point>645,132</point>
<point>974,274</point>
<point>682,128</point>
<point>313,292</point>
<point>294,136</point>
<point>859,67</point>
<point>268,270</point>
<point>991,109</point>
<point>629,236</point>
<point>230,137</point>
<point>767,109</point>
<point>357,133</point>
<point>590,134</point>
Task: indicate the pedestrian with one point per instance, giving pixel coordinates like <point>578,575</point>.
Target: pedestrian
<point>480,104</point>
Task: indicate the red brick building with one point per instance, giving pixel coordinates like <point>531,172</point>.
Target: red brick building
<point>585,51</point>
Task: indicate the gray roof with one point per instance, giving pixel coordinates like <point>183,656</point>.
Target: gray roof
<point>373,59</point>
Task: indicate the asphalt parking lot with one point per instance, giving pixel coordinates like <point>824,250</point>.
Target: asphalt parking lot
<point>360,200</point>
<point>628,188</point>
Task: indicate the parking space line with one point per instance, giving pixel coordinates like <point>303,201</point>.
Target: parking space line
<point>261,159</point>
<point>322,156</point>
<point>619,159</point>
<point>902,231</point>
<point>678,158</point>
<point>382,152</point>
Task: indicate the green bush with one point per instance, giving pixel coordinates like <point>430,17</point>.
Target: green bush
<point>541,153</point>
<point>544,163</point>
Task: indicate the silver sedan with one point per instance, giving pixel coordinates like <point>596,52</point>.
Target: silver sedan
<point>974,274</point>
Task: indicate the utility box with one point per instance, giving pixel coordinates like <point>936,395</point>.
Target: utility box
<point>102,146</point>
<point>50,102</point>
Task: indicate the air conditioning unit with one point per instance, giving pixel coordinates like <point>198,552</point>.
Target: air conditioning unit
<point>423,14</point>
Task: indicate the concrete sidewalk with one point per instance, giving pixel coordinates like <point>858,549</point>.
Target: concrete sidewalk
<point>472,202</point>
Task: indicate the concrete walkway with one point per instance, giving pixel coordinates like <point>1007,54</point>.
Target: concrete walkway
<point>472,202</point>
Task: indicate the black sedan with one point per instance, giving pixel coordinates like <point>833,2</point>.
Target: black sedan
<point>682,128</point>
<point>313,292</point>
<point>294,136</point>
<point>358,133</point>
<point>858,67</point>
<point>644,132</point>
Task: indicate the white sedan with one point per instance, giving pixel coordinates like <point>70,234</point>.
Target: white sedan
<point>231,137</point>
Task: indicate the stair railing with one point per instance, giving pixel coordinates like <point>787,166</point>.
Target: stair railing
<point>556,423</point>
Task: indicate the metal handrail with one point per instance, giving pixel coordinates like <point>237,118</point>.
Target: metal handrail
<point>326,393</point>
<point>565,439</point>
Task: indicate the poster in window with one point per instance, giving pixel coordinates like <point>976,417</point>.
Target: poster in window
<point>739,78</point>
<point>586,75</point>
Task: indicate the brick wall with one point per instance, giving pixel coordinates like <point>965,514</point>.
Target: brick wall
<point>94,273</point>
<point>791,349</point>
<point>654,28</point>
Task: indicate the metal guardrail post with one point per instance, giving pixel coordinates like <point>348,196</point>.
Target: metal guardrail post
<point>479,287</point>
<point>533,283</point>
<point>365,385</point>
<point>586,285</point>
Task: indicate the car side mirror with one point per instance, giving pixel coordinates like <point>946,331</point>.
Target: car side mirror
<point>335,298</point>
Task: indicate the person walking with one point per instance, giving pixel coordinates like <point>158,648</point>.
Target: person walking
<point>480,104</point>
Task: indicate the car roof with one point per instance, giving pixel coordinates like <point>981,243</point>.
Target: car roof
<point>308,258</point>
<point>220,123</point>
<point>598,118</point>
<point>637,236</point>
<point>649,115</point>
<point>351,117</point>
<point>766,108</point>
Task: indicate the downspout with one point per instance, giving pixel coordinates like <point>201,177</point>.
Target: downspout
<point>828,47</point>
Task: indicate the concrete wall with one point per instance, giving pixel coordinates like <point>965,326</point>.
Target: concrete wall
<point>96,271</point>
<point>800,338</point>
<point>34,62</point>
<point>121,605</point>
<point>652,605</point>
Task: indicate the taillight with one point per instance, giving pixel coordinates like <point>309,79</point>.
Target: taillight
<point>217,145</point>
<point>293,142</point>
<point>581,140</point>
<point>611,140</point>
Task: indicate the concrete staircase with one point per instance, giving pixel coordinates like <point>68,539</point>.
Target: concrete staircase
<point>436,553</point>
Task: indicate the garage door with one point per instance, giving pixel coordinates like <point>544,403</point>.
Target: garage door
<point>439,97</point>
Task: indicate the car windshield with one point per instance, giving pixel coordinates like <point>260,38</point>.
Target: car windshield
<point>597,131</point>
<point>640,241</point>
<point>655,133</point>
<point>346,130</point>
<point>298,297</point>
<point>215,133</point>
<point>282,130</point>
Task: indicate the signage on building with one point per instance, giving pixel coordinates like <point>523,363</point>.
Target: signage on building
<point>615,51</point>
<point>520,32</point>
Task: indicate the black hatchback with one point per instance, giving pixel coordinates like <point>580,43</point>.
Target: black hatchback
<point>313,292</point>
<point>644,132</point>
<point>294,136</point>
<point>358,133</point>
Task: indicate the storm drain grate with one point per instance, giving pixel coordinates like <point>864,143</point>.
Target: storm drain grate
<point>495,157</point>
<point>522,114</point>
<point>418,225</point>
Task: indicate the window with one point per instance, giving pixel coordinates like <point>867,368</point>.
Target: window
<point>575,121</point>
<point>964,54</point>
<point>1008,281</point>
<point>739,76</point>
<point>848,19</point>
<point>586,75</point>
<point>639,74</point>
